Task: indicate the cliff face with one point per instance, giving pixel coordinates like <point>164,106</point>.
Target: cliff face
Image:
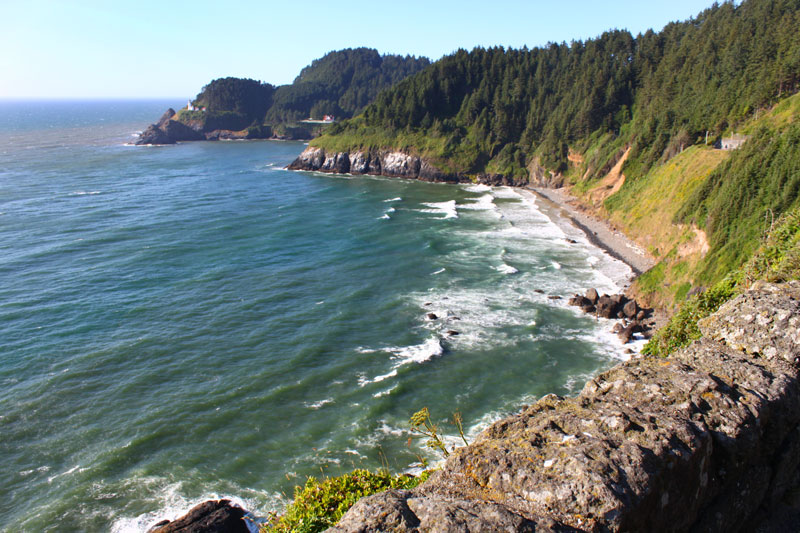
<point>389,163</point>
<point>706,440</point>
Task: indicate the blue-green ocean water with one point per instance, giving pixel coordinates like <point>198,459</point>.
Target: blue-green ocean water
<point>191,321</point>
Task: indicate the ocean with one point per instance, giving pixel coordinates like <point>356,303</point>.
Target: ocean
<point>193,321</point>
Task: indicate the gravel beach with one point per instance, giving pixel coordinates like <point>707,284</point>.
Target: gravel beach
<point>615,243</point>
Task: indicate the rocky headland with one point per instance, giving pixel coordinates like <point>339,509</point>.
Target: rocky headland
<point>170,130</point>
<point>389,163</point>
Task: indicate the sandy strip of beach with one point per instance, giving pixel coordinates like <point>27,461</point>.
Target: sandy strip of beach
<point>599,232</point>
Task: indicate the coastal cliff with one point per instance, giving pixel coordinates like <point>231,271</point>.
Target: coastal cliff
<point>707,439</point>
<point>389,163</point>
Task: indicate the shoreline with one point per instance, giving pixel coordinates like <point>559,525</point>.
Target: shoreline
<point>599,233</point>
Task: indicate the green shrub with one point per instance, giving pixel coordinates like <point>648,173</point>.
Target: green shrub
<point>321,503</point>
<point>778,259</point>
<point>682,327</point>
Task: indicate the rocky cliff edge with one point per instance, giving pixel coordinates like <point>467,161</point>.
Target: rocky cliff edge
<point>390,163</point>
<point>706,440</point>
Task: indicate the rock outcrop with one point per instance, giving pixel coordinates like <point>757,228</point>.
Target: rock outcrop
<point>635,319</point>
<point>541,177</point>
<point>212,516</point>
<point>390,163</point>
<point>168,131</point>
<point>704,440</point>
<point>379,163</point>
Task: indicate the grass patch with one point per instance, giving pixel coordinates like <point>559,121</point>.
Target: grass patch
<point>682,327</point>
<point>653,279</point>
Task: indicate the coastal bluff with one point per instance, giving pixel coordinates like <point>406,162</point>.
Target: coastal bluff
<point>705,440</point>
<point>389,163</point>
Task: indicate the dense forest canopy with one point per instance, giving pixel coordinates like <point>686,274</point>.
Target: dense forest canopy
<point>341,83</point>
<point>497,109</point>
<point>244,96</point>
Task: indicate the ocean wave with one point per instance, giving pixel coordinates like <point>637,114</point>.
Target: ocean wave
<point>317,405</point>
<point>418,353</point>
<point>506,269</point>
<point>448,209</point>
<point>479,187</point>
<point>506,193</point>
<point>386,392</point>
<point>384,217</point>
<point>397,199</point>
<point>404,355</point>
<point>482,203</point>
<point>363,381</point>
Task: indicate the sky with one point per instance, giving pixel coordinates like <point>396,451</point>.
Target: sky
<point>171,48</point>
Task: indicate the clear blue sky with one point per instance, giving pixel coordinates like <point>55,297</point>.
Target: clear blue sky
<point>151,49</point>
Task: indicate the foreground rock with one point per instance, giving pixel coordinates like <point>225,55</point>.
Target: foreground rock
<point>213,516</point>
<point>706,440</point>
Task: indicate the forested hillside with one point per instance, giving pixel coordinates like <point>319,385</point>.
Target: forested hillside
<point>494,109</point>
<point>573,111</point>
<point>340,84</point>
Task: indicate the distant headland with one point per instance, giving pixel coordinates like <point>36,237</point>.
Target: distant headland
<point>340,84</point>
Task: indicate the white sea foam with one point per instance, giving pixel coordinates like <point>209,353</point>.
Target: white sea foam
<point>362,349</point>
<point>391,210</point>
<point>84,193</point>
<point>482,203</point>
<point>403,355</point>
<point>506,192</point>
<point>556,265</point>
<point>173,504</point>
<point>438,271</point>
<point>418,353</point>
<point>393,199</point>
<point>384,392</point>
<point>65,473</point>
<point>506,269</point>
<point>448,209</point>
<point>384,217</point>
<point>363,380</point>
<point>480,187</point>
<point>317,405</point>
<point>387,429</point>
